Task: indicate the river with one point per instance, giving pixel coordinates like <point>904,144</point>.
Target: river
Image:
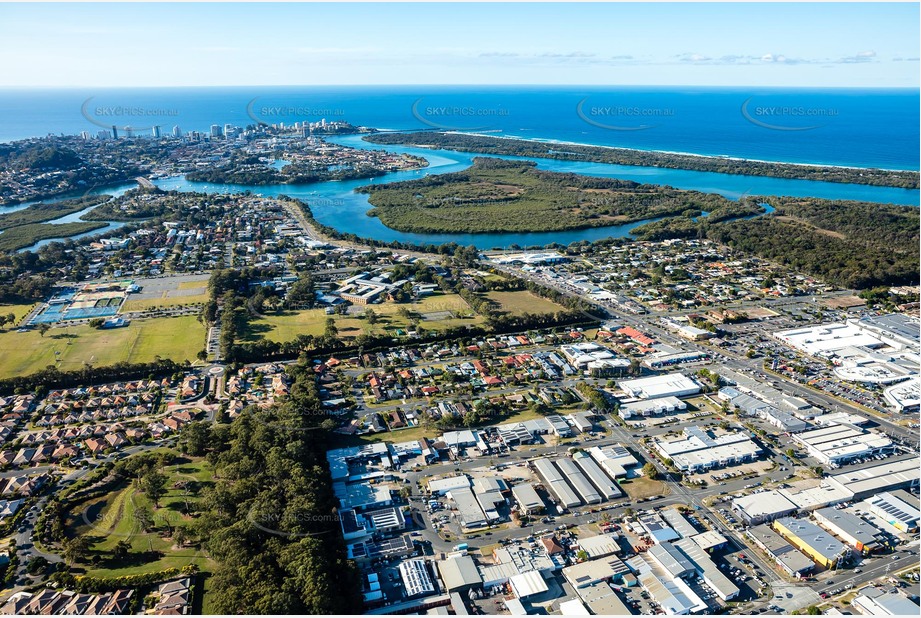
<point>335,203</point>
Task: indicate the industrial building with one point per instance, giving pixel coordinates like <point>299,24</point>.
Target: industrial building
<point>700,450</point>
<point>824,549</point>
<point>678,522</point>
<point>489,493</point>
<point>895,511</point>
<point>780,550</point>
<point>601,599</point>
<point>528,500</point>
<point>459,574</point>
<point>665,385</point>
<point>645,408</point>
<point>673,595</point>
<point>440,487</point>
<point>671,560</point>
<point>557,484</point>
<point>615,459</point>
<point>528,584</point>
<point>416,578</point>
<point>607,487</point>
<point>599,546</point>
<point>707,569</point>
<point>578,480</point>
<point>873,479</point>
<point>469,512</point>
<point>873,601</point>
<point>838,443</point>
<point>594,571</point>
<point>859,534</point>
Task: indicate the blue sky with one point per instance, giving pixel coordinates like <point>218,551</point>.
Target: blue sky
<point>99,45</point>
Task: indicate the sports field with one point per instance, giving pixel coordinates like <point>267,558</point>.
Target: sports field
<point>69,348</point>
<point>436,312</point>
<point>140,304</point>
<point>517,303</point>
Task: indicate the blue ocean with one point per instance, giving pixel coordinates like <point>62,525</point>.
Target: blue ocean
<point>848,127</point>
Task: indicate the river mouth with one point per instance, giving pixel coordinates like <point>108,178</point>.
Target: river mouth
<point>337,205</point>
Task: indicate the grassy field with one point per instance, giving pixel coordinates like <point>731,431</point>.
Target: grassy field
<point>141,304</point>
<point>108,520</point>
<point>287,325</point>
<point>19,311</point>
<point>520,302</point>
<point>176,338</point>
<point>642,487</point>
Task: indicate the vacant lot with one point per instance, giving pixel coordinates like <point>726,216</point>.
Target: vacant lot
<point>517,303</point>
<point>69,348</point>
<point>642,487</point>
<point>436,312</point>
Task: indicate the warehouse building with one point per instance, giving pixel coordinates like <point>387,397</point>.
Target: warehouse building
<point>602,600</point>
<point>594,571</point>
<point>763,506</point>
<point>707,569</point>
<point>673,595</point>
<point>608,488</point>
<point>416,578</point>
<point>700,450</point>
<point>871,480</point>
<point>895,511</point>
<point>459,574</point>
<point>468,509</point>
<point>615,459</point>
<point>489,494</point>
<point>440,487</point>
<point>859,534</point>
<point>780,550</point>
<point>599,546</point>
<point>678,522</point>
<point>645,408</point>
<point>528,584</point>
<point>528,500</point>
<point>666,385</point>
<point>873,601</point>
<point>837,444</point>
<point>556,484</point>
<point>671,560</point>
<point>581,484</point>
<point>824,549</point>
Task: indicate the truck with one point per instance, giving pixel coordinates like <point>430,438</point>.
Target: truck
<point>460,547</point>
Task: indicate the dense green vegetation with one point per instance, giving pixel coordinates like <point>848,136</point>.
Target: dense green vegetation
<point>26,235</point>
<point>40,158</point>
<point>249,170</point>
<point>623,156</point>
<point>39,213</point>
<point>850,244</point>
<point>270,521</point>
<point>495,195</point>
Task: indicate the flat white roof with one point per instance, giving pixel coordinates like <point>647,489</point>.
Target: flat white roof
<point>669,384</point>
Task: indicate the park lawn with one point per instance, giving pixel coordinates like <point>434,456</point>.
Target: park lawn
<point>193,284</point>
<point>179,338</point>
<point>140,304</point>
<point>287,325</point>
<point>522,301</point>
<point>19,311</point>
<point>113,520</point>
